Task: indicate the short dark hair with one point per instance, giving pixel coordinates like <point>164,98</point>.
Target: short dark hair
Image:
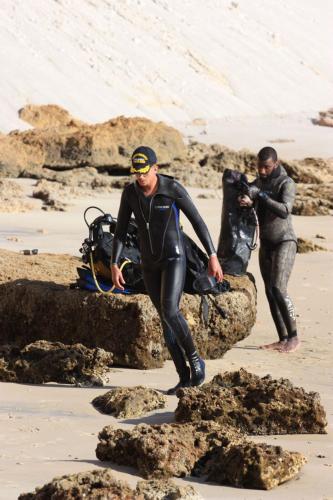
<point>267,153</point>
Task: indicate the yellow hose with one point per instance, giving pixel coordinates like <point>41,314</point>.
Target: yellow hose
<point>107,292</point>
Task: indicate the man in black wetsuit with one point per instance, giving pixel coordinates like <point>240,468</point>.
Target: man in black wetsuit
<point>273,194</point>
<point>156,201</point>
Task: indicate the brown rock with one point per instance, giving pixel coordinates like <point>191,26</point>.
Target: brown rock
<point>51,311</point>
<point>163,451</point>
<point>314,199</point>
<point>49,115</point>
<point>65,143</point>
<point>126,402</point>
<point>306,246</point>
<point>12,197</point>
<point>254,405</point>
<point>93,485</point>
<point>325,118</point>
<point>159,489</point>
<point>42,362</point>
<point>258,466</point>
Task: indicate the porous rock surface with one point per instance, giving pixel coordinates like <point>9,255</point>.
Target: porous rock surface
<point>161,489</point>
<point>166,450</point>
<point>87,158</point>
<point>100,484</point>
<point>260,466</point>
<point>60,142</point>
<point>325,118</point>
<point>253,404</point>
<point>43,361</point>
<point>50,311</point>
<point>306,246</point>
<point>93,485</point>
<point>222,452</point>
<point>126,402</point>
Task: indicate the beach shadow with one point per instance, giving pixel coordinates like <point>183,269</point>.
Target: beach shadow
<point>165,417</point>
<point>247,347</point>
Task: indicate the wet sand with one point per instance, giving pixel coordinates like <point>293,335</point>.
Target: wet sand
<point>50,430</point>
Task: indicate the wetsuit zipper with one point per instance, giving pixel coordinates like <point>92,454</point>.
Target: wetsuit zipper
<point>147,222</point>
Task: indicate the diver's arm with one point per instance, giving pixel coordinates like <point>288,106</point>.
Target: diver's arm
<point>187,206</point>
<point>120,233</point>
<point>284,207</point>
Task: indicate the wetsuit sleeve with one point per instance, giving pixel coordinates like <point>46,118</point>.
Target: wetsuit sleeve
<point>186,205</point>
<point>284,207</point>
<point>120,233</point>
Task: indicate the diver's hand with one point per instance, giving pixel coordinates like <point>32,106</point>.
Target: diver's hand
<point>117,277</point>
<point>214,268</point>
<point>245,201</point>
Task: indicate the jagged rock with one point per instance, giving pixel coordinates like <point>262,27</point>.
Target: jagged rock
<point>51,311</point>
<point>253,404</point>
<point>159,489</point>
<point>325,118</point>
<point>94,485</point>
<point>48,115</point>
<point>314,199</point>
<point>42,362</point>
<point>166,450</point>
<point>126,402</point>
<point>213,448</point>
<point>11,197</point>
<point>305,246</point>
<point>66,143</point>
<point>259,466</point>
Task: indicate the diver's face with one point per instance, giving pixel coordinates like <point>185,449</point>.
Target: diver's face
<point>265,168</point>
<point>148,179</point>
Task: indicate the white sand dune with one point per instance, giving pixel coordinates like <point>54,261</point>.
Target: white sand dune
<point>168,60</point>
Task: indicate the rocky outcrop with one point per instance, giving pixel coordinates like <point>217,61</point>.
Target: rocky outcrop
<point>306,246</point>
<point>50,311</point>
<point>159,489</point>
<point>93,485</point>
<point>43,362</point>
<point>126,402</point>
<point>162,451</point>
<point>12,197</point>
<point>325,118</point>
<point>166,450</point>
<point>253,404</point>
<point>60,142</point>
<point>314,199</point>
<point>101,484</point>
<point>258,466</point>
<point>48,116</point>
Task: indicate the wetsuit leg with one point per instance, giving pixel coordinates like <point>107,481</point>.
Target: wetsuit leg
<point>152,278</point>
<point>172,285</point>
<point>282,264</point>
<point>266,269</point>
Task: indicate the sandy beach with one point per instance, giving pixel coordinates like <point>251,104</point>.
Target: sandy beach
<point>52,430</point>
<point>239,74</point>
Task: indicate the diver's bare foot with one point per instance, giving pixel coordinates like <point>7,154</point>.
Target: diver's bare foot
<point>291,345</point>
<point>276,346</point>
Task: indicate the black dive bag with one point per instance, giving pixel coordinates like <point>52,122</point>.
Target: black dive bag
<point>96,251</point>
<point>239,226</point>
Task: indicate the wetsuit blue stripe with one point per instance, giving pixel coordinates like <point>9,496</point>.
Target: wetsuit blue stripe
<point>176,212</point>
